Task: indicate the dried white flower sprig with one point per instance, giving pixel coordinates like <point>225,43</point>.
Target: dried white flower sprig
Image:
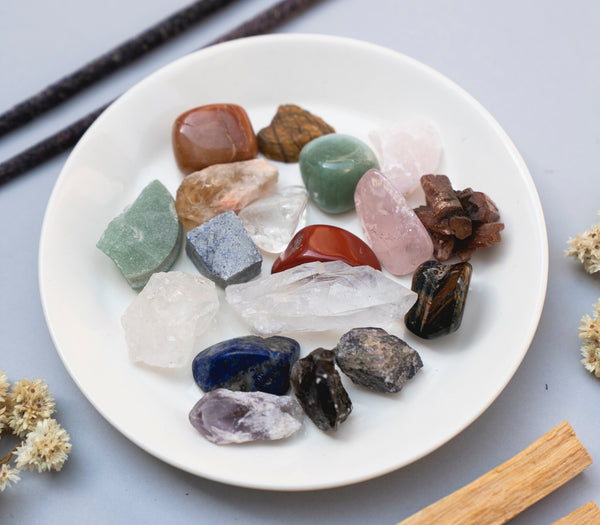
<point>585,247</point>
<point>589,331</point>
<point>26,410</point>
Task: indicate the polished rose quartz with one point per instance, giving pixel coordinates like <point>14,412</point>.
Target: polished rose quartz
<point>213,134</point>
<point>391,227</point>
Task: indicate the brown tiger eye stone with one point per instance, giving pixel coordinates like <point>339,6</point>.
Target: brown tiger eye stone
<point>290,130</point>
<point>441,295</point>
<point>212,134</point>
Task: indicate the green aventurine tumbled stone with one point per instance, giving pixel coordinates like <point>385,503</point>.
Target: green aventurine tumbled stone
<point>331,167</point>
<point>146,238</point>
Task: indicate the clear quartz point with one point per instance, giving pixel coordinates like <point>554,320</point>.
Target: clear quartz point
<point>319,296</point>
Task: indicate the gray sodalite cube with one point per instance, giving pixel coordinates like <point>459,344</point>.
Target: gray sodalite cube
<point>222,250</point>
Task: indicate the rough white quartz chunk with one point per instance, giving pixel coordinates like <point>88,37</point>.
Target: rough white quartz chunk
<point>225,416</point>
<point>407,151</point>
<point>163,321</point>
<point>319,296</point>
<point>272,221</point>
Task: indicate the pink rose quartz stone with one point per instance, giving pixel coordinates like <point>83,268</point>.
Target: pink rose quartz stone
<point>407,151</point>
<point>391,227</point>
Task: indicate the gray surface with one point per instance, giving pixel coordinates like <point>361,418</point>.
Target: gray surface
<point>533,65</point>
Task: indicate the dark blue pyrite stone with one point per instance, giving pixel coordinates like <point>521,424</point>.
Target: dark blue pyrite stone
<point>222,250</point>
<point>247,364</point>
<point>441,296</point>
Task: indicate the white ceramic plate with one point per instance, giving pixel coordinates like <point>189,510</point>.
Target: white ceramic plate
<point>355,87</point>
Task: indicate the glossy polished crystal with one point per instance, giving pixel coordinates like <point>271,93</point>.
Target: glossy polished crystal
<point>318,387</point>
<point>331,166</point>
<point>442,293</point>
<point>248,364</point>
<point>212,134</point>
<point>322,242</point>
<point>390,225</point>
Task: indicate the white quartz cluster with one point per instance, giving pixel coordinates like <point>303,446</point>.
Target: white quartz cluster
<point>164,320</point>
<point>319,296</point>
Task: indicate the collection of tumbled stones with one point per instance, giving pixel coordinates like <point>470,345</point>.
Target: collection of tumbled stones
<point>324,277</point>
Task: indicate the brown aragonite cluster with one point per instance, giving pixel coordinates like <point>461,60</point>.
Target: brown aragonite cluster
<point>457,221</point>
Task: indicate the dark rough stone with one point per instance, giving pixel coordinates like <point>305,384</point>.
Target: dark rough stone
<point>246,364</point>
<point>319,389</point>
<point>442,293</point>
<point>222,250</point>
<point>377,360</point>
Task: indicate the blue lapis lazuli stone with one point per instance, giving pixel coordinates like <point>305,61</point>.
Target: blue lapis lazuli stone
<point>247,364</point>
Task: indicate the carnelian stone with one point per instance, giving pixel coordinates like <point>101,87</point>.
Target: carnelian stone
<point>322,242</point>
<point>213,134</point>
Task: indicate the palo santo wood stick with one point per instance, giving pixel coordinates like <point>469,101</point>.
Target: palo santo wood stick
<point>588,514</point>
<point>510,488</point>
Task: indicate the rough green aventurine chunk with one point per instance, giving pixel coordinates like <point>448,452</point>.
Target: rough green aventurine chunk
<point>145,238</point>
<point>331,167</point>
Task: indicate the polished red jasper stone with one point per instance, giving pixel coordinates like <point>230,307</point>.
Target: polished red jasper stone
<point>213,134</point>
<point>321,242</point>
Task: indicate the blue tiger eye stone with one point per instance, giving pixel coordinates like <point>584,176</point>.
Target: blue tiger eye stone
<point>247,364</point>
<point>331,167</point>
<point>441,295</point>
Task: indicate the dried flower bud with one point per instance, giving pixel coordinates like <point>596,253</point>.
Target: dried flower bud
<point>589,331</point>
<point>29,402</point>
<point>8,475</point>
<point>46,447</point>
<point>585,247</point>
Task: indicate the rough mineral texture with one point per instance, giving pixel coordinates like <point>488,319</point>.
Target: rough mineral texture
<point>406,151</point>
<point>319,296</point>
<point>458,222</point>
<point>377,360</point>
<point>163,322</point>
<point>146,238</point>
<point>272,221</point>
<point>331,167</point>
<point>322,242</point>
<point>291,128</point>
<point>247,364</point>
<point>442,293</point>
<point>319,389</point>
<point>214,190</point>
<point>212,134</point>
<point>391,228</point>
<point>222,250</point>
<point>224,416</point>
